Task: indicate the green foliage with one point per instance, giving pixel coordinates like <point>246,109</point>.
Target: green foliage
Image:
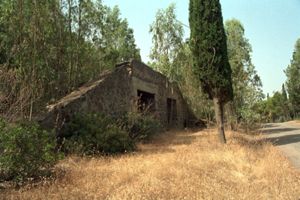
<point>246,83</point>
<point>26,151</point>
<point>284,94</point>
<point>116,39</point>
<point>140,126</point>
<point>52,47</point>
<point>209,49</point>
<point>209,53</point>
<point>285,104</point>
<point>245,79</point>
<point>250,118</point>
<point>189,85</point>
<point>96,133</point>
<point>167,37</point>
<point>274,109</point>
<point>171,56</point>
<point>293,82</point>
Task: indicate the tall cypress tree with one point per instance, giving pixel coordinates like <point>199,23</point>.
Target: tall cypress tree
<point>210,60</point>
<point>285,103</point>
<point>284,94</point>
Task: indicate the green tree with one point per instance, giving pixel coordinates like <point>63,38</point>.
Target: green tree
<point>245,81</point>
<point>49,48</point>
<point>171,56</point>
<point>276,108</point>
<point>189,85</point>
<point>273,109</point>
<point>116,38</point>
<point>29,49</point>
<point>209,50</point>
<point>167,37</point>
<point>293,82</point>
<point>283,92</point>
<point>285,103</point>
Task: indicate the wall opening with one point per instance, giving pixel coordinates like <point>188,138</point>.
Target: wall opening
<point>146,101</point>
<point>171,111</point>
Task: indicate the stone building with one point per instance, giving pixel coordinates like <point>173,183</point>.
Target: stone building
<point>130,87</point>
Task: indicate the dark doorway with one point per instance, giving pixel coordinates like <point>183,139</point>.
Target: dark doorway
<point>171,111</point>
<point>146,102</point>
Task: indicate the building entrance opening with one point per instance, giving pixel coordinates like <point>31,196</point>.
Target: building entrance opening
<point>171,111</point>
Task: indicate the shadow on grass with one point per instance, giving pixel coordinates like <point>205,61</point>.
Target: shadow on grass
<point>154,149</point>
<point>249,142</point>
<point>164,142</point>
<point>183,139</point>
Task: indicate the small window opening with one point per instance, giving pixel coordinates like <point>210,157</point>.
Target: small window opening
<point>146,102</point>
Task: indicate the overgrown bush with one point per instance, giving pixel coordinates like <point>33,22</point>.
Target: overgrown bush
<point>26,151</point>
<point>95,133</point>
<point>250,120</point>
<point>140,126</point>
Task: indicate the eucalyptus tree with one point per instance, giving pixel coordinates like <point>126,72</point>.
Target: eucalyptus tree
<point>118,37</point>
<point>167,38</point>
<point>30,50</point>
<point>245,80</point>
<point>48,48</point>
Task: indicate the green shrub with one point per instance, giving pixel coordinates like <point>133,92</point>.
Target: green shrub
<point>140,126</point>
<point>26,151</point>
<point>95,133</point>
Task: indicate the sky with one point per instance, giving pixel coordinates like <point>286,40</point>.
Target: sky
<point>272,27</point>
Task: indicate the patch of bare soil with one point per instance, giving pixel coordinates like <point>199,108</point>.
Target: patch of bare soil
<point>294,122</point>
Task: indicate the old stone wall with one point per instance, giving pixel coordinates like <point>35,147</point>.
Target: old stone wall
<point>144,78</point>
<point>111,94</point>
<point>116,92</point>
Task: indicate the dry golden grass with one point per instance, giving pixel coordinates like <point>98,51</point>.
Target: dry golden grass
<point>181,165</point>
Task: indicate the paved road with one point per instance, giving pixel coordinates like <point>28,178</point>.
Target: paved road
<point>287,137</point>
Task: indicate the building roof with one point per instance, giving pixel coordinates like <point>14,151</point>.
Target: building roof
<point>79,92</point>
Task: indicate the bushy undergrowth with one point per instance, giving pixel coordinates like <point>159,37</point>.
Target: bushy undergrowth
<point>140,126</point>
<point>96,133</point>
<point>26,151</point>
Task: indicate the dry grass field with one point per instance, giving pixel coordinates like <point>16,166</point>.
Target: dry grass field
<point>184,165</point>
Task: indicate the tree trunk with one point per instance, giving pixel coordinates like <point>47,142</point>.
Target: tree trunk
<point>76,71</point>
<point>232,116</point>
<point>219,112</point>
<point>70,39</point>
